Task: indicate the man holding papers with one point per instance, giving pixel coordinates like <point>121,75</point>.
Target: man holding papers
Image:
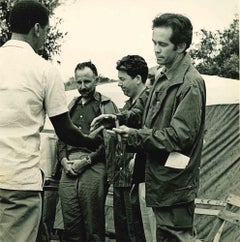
<point>172,132</point>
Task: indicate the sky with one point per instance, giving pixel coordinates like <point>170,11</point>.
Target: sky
<point>104,31</point>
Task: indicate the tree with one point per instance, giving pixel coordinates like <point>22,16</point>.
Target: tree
<point>55,36</point>
<point>218,52</point>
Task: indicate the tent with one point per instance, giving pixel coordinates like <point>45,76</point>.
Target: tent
<point>220,164</point>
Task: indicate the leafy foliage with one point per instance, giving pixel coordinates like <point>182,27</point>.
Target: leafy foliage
<point>218,52</point>
<point>55,36</point>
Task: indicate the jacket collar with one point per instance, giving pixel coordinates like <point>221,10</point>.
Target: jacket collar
<point>129,102</point>
<point>176,73</point>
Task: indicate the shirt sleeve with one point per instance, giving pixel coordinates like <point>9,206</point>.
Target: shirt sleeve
<point>55,98</point>
<point>98,155</point>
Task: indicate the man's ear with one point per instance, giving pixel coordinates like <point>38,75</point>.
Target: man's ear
<point>36,29</point>
<point>97,80</point>
<point>139,79</point>
<point>181,48</point>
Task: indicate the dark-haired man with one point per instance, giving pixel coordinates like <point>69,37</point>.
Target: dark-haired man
<point>83,185</point>
<point>30,87</point>
<point>172,132</point>
<point>132,75</point>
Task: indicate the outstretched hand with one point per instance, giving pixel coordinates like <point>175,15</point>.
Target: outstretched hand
<point>101,120</point>
<point>124,131</point>
<point>95,132</point>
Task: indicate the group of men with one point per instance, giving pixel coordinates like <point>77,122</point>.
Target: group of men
<point>160,134</point>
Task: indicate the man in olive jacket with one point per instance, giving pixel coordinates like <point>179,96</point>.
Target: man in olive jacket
<point>172,132</point>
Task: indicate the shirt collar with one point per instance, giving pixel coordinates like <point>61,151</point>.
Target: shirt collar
<point>176,73</point>
<point>96,96</point>
<point>18,43</point>
<point>131,102</point>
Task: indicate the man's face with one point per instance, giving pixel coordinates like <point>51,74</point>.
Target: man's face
<point>86,82</point>
<point>163,47</point>
<point>127,84</point>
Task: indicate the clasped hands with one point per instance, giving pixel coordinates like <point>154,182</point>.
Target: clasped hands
<point>74,167</point>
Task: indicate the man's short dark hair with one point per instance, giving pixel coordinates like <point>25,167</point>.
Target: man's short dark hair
<point>25,14</point>
<point>133,65</point>
<point>180,25</point>
<point>88,64</point>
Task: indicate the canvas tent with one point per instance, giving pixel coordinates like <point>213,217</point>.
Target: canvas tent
<point>220,164</point>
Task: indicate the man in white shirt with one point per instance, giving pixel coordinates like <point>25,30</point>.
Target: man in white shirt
<point>30,88</point>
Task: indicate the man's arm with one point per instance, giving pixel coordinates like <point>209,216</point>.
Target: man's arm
<point>131,118</point>
<point>179,135</point>
<point>70,134</point>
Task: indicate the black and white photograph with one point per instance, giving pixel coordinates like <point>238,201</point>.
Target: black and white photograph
<point>119,121</point>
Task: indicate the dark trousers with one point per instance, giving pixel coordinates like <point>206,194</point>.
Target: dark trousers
<point>175,223</point>
<point>82,201</point>
<point>127,215</point>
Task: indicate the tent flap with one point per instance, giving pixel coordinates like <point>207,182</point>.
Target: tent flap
<point>220,164</point>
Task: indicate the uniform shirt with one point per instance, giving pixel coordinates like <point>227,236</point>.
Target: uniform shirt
<point>82,116</point>
<point>30,87</point>
<point>123,176</point>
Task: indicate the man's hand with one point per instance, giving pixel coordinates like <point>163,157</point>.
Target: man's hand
<point>94,133</point>
<point>131,164</point>
<point>124,131</point>
<point>67,166</point>
<point>79,166</point>
<point>101,119</point>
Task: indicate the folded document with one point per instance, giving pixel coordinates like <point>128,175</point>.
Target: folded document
<point>177,160</point>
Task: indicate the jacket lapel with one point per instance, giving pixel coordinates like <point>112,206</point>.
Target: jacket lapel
<point>175,77</point>
<point>145,113</point>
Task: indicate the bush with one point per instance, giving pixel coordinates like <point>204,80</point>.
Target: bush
<point>218,52</point>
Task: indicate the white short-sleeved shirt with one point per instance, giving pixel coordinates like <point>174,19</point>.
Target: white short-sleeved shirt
<point>30,88</point>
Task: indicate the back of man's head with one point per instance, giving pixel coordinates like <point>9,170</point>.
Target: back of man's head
<point>25,14</point>
<point>133,65</point>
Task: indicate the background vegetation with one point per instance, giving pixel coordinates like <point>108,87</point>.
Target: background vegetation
<point>216,53</point>
<point>55,36</point>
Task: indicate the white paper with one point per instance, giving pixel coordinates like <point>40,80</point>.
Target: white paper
<point>177,160</point>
